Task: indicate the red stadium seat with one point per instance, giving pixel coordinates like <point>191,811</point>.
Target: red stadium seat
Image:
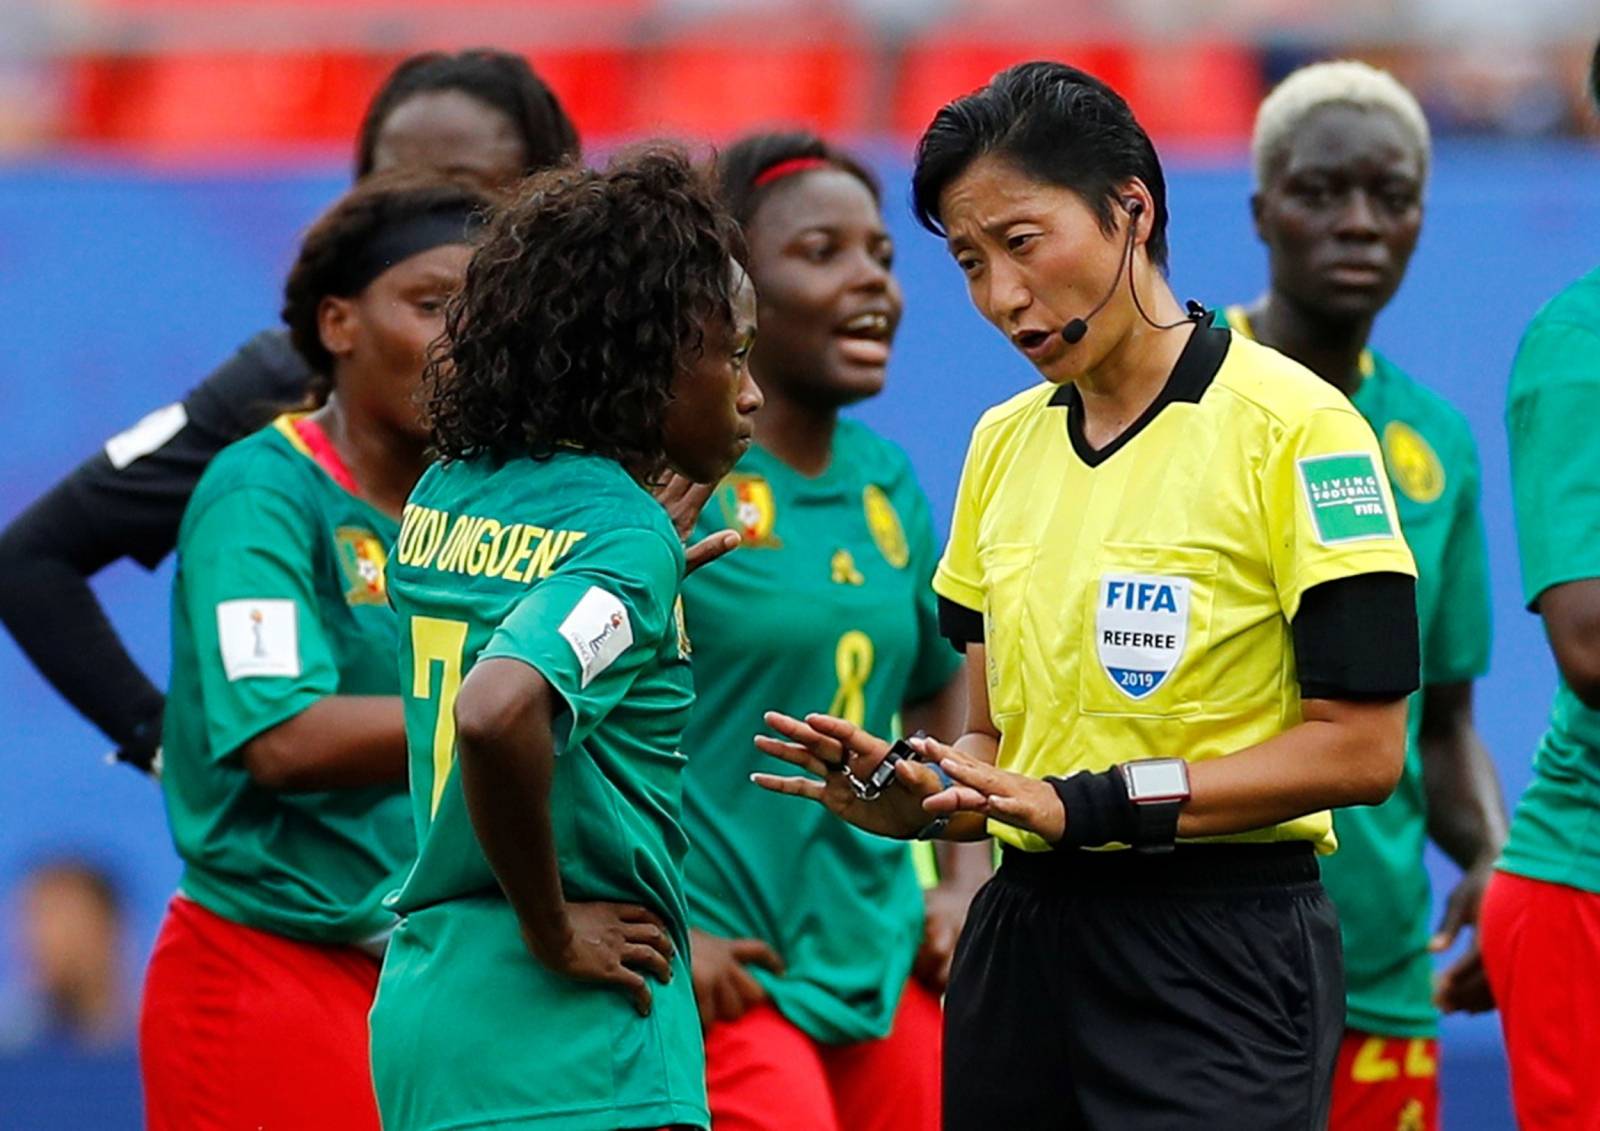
<point>1195,91</point>
<point>205,105</point>
<point>215,103</point>
<point>954,62</point>
<point>1180,91</point>
<point>714,82</point>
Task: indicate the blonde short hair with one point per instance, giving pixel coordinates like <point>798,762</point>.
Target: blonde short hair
<point>1345,82</point>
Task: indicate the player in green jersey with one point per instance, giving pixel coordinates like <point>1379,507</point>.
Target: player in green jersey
<point>538,977</point>
<point>1341,155</point>
<point>1541,915</point>
<point>284,737</point>
<point>807,931</point>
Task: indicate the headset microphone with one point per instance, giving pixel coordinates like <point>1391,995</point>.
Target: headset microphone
<point>1072,333</point>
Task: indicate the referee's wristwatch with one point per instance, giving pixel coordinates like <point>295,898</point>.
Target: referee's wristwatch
<point>1157,790</point>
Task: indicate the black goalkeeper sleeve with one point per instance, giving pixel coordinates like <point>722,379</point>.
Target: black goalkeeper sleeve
<point>47,555</point>
<point>127,501</point>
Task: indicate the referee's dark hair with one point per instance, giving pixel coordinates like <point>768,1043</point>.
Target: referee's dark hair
<point>496,78</point>
<point>740,167</point>
<point>1056,123</point>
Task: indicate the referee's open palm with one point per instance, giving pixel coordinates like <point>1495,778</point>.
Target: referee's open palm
<point>826,747</point>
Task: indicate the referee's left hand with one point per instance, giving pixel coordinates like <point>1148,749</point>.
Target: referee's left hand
<point>1015,799</point>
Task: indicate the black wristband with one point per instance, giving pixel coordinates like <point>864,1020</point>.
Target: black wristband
<point>1098,809</point>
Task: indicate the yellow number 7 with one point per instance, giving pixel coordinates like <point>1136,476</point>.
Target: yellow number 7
<point>434,639</point>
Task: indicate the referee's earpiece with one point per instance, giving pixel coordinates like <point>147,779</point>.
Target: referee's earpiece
<point>1072,333</point>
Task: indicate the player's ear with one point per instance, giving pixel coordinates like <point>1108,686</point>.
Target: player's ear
<point>1257,206</point>
<point>336,325</point>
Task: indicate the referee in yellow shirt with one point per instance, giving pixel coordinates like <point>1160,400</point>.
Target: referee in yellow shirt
<point>1190,618</point>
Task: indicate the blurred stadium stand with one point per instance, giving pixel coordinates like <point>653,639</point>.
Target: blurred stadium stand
<point>201,78</point>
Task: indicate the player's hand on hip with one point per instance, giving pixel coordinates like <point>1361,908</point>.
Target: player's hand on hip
<point>1014,799</point>
<point>827,747</point>
<point>723,989</point>
<point>614,944</point>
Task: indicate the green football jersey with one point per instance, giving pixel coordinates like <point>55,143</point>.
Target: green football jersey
<point>570,567</point>
<point>1377,879</point>
<point>825,607</point>
<point>278,602</point>
<point>1555,479</point>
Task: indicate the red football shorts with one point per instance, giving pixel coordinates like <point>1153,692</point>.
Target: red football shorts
<point>1541,950</point>
<point>241,1028</point>
<point>1386,1084</point>
<point>764,1074</point>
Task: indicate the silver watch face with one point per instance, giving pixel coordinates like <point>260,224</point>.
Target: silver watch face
<point>1165,778</point>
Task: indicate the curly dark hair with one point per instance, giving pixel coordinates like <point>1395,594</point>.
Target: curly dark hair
<point>586,297</point>
<point>741,164</point>
<point>496,78</point>
<point>322,268</point>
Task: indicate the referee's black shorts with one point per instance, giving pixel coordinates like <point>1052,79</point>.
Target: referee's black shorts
<point>1198,989</point>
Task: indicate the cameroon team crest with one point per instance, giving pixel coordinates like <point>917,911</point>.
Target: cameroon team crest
<point>362,557</point>
<point>1414,467</point>
<point>884,523</point>
<point>748,507</point>
<point>1140,629</point>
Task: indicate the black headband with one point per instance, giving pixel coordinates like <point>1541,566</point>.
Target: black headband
<point>394,243</point>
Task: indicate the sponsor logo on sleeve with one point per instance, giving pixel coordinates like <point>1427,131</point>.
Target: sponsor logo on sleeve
<point>1346,498</point>
<point>842,568</point>
<point>598,631</point>
<point>1141,626</point>
<point>259,636</point>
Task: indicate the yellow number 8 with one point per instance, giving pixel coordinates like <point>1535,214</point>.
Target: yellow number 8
<point>853,662</point>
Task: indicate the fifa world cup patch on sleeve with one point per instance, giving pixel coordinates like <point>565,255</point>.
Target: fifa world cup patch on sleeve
<point>1346,497</point>
<point>598,631</point>
<point>259,636</point>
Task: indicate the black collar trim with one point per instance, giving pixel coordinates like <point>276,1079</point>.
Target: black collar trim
<point>1196,368</point>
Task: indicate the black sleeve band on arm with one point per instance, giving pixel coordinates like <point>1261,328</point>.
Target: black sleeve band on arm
<point>1356,638</point>
<point>959,624</point>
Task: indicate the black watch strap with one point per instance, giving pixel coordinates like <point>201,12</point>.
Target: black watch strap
<point>1157,825</point>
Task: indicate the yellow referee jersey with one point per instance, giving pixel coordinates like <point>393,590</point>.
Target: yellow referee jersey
<point>1137,599</point>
